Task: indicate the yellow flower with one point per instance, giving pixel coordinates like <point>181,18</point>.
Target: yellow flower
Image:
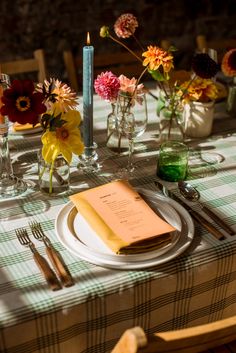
<point>64,140</point>
<point>199,89</point>
<point>156,57</point>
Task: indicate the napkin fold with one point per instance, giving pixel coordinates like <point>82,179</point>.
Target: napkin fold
<point>100,204</point>
<point>24,127</point>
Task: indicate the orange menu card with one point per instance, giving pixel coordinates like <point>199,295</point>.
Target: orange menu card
<point>127,216</point>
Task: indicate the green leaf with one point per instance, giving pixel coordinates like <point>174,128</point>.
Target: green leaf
<point>156,75</point>
<point>160,105</point>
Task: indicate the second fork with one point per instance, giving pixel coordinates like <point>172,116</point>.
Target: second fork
<point>40,261</point>
<point>55,258</point>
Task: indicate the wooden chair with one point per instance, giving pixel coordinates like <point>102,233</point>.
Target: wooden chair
<point>35,64</point>
<point>71,70</point>
<point>216,337</point>
<point>220,45</point>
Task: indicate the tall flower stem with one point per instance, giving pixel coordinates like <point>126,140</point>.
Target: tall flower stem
<point>138,42</point>
<point>125,46</point>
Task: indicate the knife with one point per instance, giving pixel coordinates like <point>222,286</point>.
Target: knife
<point>205,223</point>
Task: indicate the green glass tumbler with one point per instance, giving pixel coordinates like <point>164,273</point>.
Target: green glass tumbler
<point>173,161</point>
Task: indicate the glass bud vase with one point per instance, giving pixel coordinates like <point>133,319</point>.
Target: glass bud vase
<point>10,185</point>
<point>116,141</point>
<point>53,177</point>
<point>231,99</point>
<point>171,122</point>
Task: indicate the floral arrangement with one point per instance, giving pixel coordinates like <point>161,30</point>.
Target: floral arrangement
<point>108,86</point>
<point>159,64</point>
<point>53,105</point>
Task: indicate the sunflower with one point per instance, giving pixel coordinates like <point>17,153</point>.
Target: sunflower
<point>228,65</point>
<point>21,103</point>
<point>65,139</point>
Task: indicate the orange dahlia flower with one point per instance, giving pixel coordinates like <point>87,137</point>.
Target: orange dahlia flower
<point>156,57</point>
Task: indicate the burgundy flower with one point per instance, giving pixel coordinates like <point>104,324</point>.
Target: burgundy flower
<point>125,25</point>
<point>21,103</point>
<point>107,86</point>
<point>204,66</point>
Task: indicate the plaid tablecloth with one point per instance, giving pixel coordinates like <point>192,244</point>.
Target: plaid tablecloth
<point>197,287</point>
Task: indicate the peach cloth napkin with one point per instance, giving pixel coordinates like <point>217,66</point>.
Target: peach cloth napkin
<point>122,219</point>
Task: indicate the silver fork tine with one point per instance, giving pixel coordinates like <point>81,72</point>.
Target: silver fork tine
<point>40,261</point>
<point>55,258</point>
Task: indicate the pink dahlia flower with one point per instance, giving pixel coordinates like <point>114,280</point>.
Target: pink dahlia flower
<point>129,85</point>
<point>107,86</point>
<point>125,25</point>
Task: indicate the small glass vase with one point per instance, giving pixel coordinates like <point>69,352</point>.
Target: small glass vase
<point>54,178</point>
<point>116,140</point>
<point>10,185</point>
<point>171,122</point>
<point>231,99</point>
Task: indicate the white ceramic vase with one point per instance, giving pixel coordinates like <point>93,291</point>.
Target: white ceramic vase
<point>198,117</point>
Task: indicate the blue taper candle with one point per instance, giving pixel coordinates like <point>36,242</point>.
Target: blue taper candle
<point>88,54</point>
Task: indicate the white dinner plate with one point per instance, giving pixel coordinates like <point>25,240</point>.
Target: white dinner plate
<point>100,255</point>
<point>25,132</point>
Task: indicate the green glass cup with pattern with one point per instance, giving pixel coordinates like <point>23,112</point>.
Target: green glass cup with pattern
<point>172,161</point>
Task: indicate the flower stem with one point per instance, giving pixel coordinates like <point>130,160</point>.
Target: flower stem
<point>50,178</point>
<point>125,46</point>
<point>138,42</point>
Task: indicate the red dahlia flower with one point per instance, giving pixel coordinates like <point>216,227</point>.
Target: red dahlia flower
<point>21,103</point>
<point>204,66</point>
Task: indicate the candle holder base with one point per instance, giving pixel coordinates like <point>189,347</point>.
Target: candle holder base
<point>88,161</point>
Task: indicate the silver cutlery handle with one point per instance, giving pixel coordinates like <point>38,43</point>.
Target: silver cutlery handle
<point>219,221</point>
<point>211,229</point>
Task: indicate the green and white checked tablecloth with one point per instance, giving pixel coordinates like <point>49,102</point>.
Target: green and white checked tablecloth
<point>197,287</point>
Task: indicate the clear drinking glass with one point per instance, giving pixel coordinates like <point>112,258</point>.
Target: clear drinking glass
<point>10,185</point>
<point>131,120</point>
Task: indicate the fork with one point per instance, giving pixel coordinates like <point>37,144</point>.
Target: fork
<point>40,261</point>
<point>55,258</point>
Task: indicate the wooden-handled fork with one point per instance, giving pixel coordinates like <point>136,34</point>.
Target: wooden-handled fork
<point>55,258</point>
<point>40,261</point>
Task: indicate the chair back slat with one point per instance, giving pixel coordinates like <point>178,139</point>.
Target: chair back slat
<point>218,337</point>
<point>36,64</point>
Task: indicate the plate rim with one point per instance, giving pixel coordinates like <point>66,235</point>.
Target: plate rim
<point>147,254</point>
<point>109,260</point>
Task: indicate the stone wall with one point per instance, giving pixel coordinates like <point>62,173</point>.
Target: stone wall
<point>58,24</point>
